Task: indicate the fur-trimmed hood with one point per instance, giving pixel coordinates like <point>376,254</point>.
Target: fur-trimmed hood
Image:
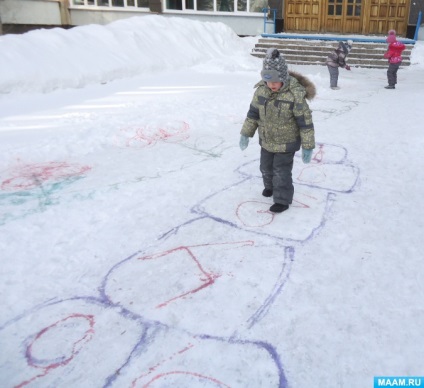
<point>302,80</point>
<point>309,86</point>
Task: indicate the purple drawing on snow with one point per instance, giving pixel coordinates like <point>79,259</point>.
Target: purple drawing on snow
<point>316,186</point>
<point>65,338</point>
<point>56,341</point>
<point>194,280</point>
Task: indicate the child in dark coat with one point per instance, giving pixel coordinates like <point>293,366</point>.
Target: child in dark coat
<point>337,59</point>
<point>394,55</point>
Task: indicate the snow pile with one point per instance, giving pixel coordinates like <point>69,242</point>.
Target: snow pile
<point>417,55</point>
<point>45,60</point>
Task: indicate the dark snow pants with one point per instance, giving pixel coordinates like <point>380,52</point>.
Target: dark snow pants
<point>392,73</point>
<point>276,169</point>
<point>334,75</point>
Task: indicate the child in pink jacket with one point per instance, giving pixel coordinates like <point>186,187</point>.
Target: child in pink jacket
<point>394,55</point>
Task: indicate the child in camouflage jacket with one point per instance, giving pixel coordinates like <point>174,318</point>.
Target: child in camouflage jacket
<point>281,115</point>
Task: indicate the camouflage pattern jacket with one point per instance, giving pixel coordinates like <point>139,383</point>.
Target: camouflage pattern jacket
<point>283,118</point>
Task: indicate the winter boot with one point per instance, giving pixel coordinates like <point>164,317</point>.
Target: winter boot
<point>278,208</point>
<point>267,192</point>
<point>335,88</point>
<point>389,87</point>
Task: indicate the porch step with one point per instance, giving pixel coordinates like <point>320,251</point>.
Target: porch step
<point>315,52</point>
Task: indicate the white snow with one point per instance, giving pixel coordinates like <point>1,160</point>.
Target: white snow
<point>137,250</point>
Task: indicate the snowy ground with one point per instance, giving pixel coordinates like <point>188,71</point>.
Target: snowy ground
<point>137,250</point>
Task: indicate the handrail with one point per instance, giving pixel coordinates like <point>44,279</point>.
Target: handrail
<point>335,38</point>
<point>417,28</point>
<point>267,14</point>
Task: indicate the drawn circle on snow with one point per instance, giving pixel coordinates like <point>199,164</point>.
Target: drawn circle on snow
<point>73,331</point>
<point>184,379</point>
<point>34,175</point>
<point>254,214</point>
<point>312,174</point>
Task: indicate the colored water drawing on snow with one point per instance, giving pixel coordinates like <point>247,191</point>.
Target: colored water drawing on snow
<point>53,345</point>
<point>236,366</point>
<point>201,278</point>
<point>198,278</point>
<point>256,213</point>
<point>136,136</point>
<point>324,110</point>
<point>31,188</point>
<point>58,343</point>
<point>77,329</point>
<point>329,170</point>
<point>209,146</point>
<point>33,176</point>
<point>309,209</point>
<point>157,340</point>
<point>183,378</point>
<point>316,185</point>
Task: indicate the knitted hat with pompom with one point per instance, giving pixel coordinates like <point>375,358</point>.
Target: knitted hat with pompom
<point>391,37</point>
<point>274,67</point>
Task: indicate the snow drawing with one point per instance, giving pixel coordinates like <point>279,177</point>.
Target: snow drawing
<point>78,335</point>
<point>31,187</point>
<point>187,278</point>
<point>144,136</point>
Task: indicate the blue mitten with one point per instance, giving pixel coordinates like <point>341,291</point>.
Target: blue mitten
<point>306,155</point>
<point>244,142</point>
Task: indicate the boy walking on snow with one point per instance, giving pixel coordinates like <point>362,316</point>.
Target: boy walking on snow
<point>337,59</point>
<point>281,115</point>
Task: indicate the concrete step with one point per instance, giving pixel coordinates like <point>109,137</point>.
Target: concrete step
<point>315,52</point>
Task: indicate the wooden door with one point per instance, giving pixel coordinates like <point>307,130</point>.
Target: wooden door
<point>302,15</point>
<point>347,16</point>
<point>343,16</point>
<point>384,15</point>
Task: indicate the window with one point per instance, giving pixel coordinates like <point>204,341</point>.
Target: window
<point>335,7</point>
<point>354,8</point>
<point>189,4</point>
<point>205,5</point>
<point>224,5</point>
<point>258,5</point>
<point>241,5</point>
<point>255,6</point>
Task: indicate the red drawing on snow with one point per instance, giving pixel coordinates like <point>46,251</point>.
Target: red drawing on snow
<point>183,258</point>
<point>319,156</point>
<point>81,326</point>
<point>256,214</point>
<point>312,174</point>
<point>205,278</point>
<point>190,377</point>
<point>160,363</point>
<point>135,136</point>
<point>34,175</point>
